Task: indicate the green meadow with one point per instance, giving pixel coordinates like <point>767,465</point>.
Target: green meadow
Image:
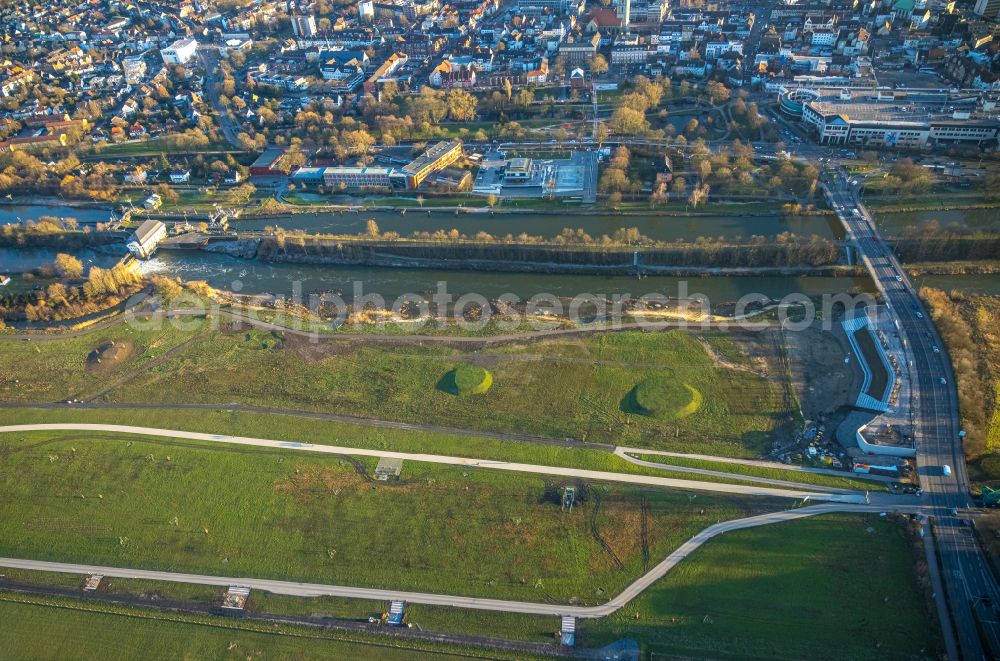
<point>238,511</point>
<point>579,388</point>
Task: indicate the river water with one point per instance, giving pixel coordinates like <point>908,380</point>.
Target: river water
<point>15,213</point>
<point>252,277</point>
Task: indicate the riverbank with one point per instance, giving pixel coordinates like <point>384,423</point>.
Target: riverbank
<point>793,256</point>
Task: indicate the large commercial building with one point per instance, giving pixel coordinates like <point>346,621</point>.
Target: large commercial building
<point>887,119</point>
<point>180,52</point>
<point>436,158</point>
<point>407,177</point>
<point>367,177</point>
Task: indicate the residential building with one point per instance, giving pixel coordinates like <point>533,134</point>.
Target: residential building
<point>304,26</point>
<point>988,9</point>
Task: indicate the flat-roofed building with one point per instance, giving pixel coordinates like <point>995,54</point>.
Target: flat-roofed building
<point>180,52</point>
<point>517,170</point>
<point>436,158</point>
<point>839,118</point>
<point>366,177</point>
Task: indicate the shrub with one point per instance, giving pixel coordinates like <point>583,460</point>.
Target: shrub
<point>665,398</point>
<point>466,380</point>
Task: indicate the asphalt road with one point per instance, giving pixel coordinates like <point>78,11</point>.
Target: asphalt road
<point>578,473</point>
<point>318,590</point>
<point>968,581</point>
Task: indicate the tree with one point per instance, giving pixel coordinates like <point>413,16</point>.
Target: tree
<point>68,266</point>
<point>629,121</point>
<point>167,288</point>
<point>717,92</point>
<point>600,134</point>
<point>167,193</point>
<point>427,106</point>
<point>241,194</point>
<point>678,186</point>
<point>371,228</point>
<point>358,142</point>
<point>598,65</point>
<point>461,105</point>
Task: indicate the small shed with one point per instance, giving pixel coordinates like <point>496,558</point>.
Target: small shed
<point>235,599</point>
<point>388,468</point>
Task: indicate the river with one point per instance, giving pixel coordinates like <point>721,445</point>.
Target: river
<point>16,213</point>
<point>253,277</point>
<point>20,260</point>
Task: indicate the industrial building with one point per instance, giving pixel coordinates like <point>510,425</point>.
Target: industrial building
<point>268,163</point>
<point>142,244</point>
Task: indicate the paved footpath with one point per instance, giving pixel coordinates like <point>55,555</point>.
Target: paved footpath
<point>501,605</point>
<point>584,474</point>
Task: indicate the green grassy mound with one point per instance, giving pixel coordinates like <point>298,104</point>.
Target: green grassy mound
<point>466,380</point>
<point>665,398</point>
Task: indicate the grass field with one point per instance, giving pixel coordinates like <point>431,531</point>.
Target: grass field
<point>834,587</point>
<point>737,416</point>
<point>968,325</point>
<point>512,626</point>
<point>279,514</point>
<point>306,430</point>
<point>65,629</point>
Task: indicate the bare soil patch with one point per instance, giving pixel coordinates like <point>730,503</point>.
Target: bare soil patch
<point>108,356</point>
<point>821,378</point>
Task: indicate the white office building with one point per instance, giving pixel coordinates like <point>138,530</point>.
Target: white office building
<point>180,52</point>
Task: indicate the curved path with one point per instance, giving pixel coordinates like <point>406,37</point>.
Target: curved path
<point>502,605</point>
<point>722,323</point>
<point>755,462</point>
<point>624,454</point>
<point>604,476</point>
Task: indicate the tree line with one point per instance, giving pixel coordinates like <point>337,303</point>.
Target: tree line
<point>570,247</point>
<point>71,294</point>
<point>931,242</point>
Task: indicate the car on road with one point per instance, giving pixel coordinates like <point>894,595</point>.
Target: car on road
<point>943,381</point>
<point>899,278</point>
<point>946,470</point>
<point>920,315</point>
<point>935,349</point>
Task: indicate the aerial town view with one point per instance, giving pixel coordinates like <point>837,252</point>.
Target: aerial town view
<point>501,329</point>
